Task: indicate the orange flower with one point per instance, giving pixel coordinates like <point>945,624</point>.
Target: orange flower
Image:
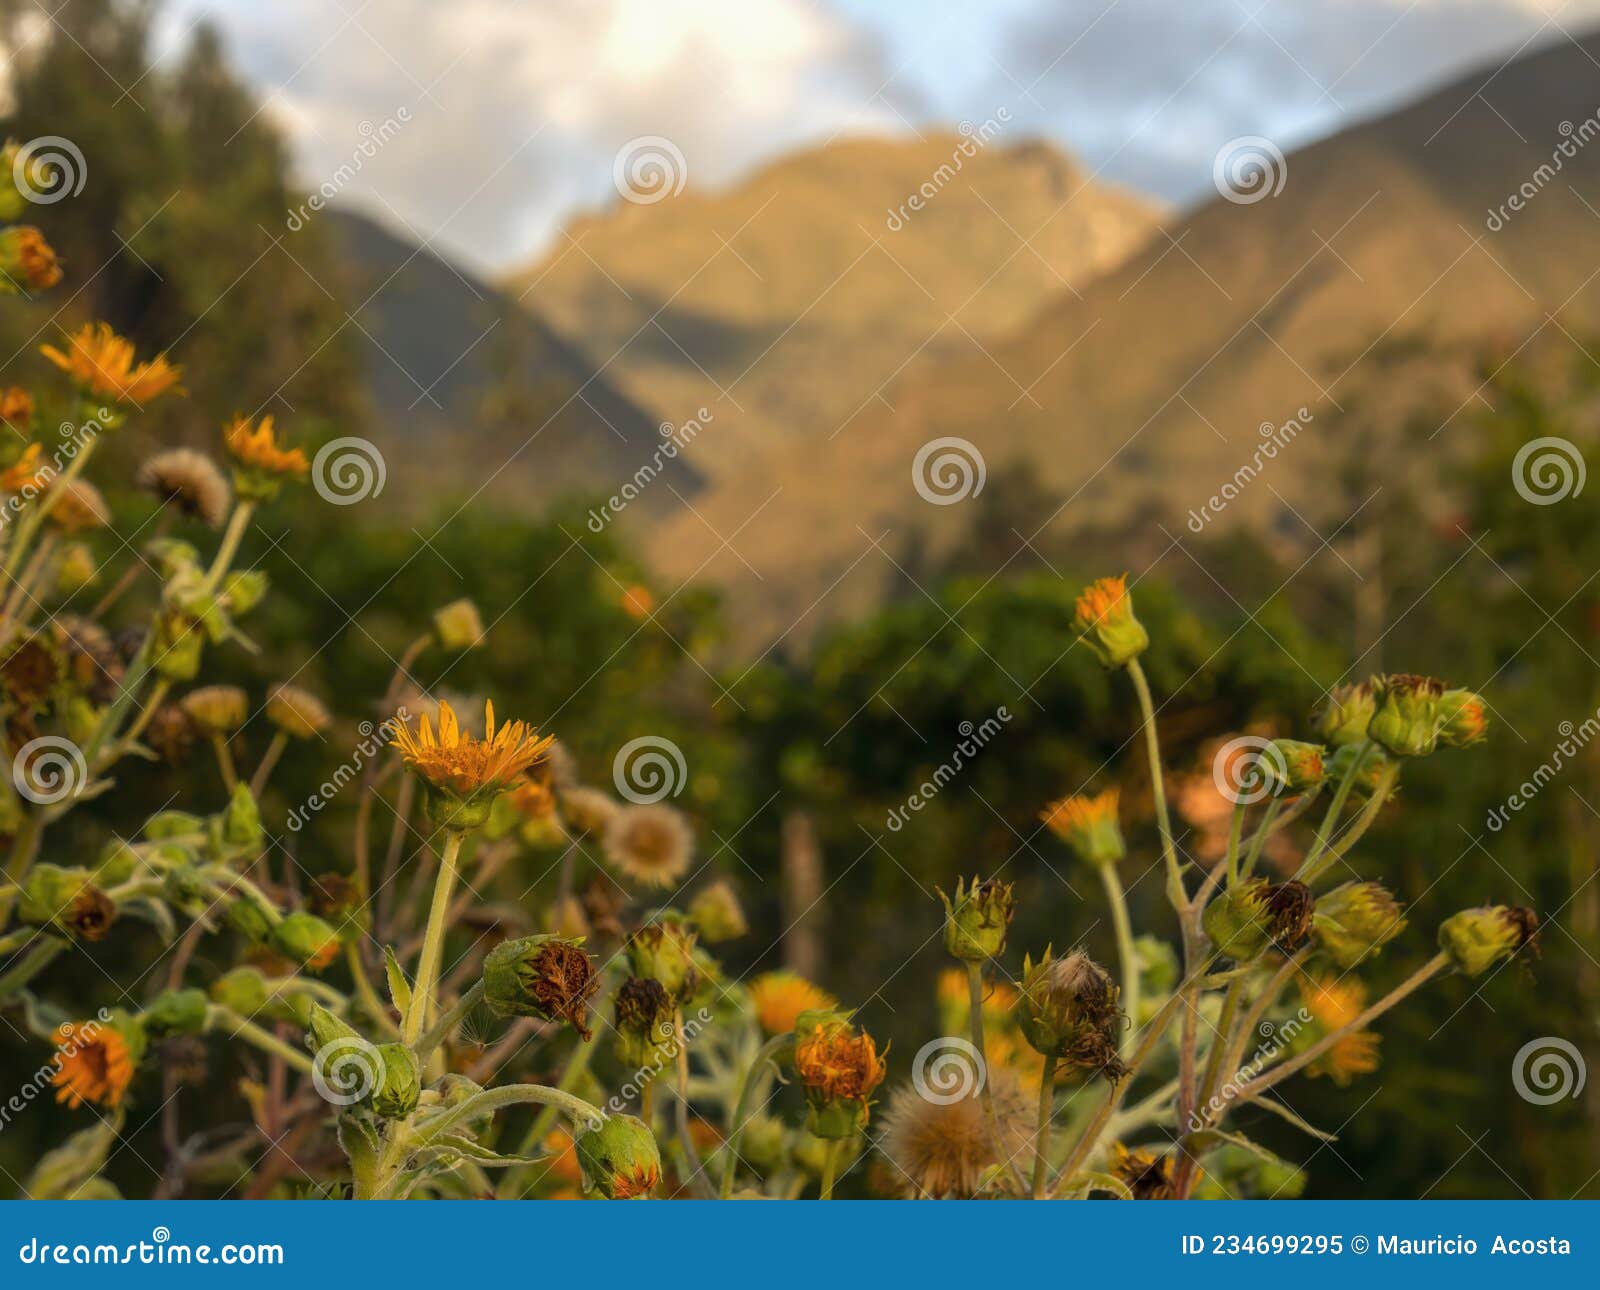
<point>24,472</point>
<point>1102,600</point>
<point>93,1064</point>
<point>1088,825</point>
<point>100,363</point>
<point>463,766</point>
<point>1334,1004</point>
<point>27,260</point>
<point>780,998</point>
<point>837,1064</point>
<point>1105,620</point>
<point>16,407</point>
<point>256,448</point>
<point>637,602</point>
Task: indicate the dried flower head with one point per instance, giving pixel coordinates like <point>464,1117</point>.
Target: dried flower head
<point>92,660</point>
<point>780,998</point>
<point>1068,1010</point>
<point>840,1067</point>
<point>1146,1175</point>
<point>171,733</point>
<point>78,506</point>
<point>541,976</point>
<point>216,709</point>
<point>941,1148</point>
<point>652,844</point>
<point>716,911</point>
<point>91,913</point>
<point>101,364</point>
<point>588,812</point>
<point>296,712</point>
<point>188,480</point>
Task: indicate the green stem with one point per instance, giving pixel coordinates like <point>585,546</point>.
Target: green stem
<point>1125,951</point>
<point>1331,855</point>
<point>452,1017</point>
<point>240,1028</point>
<point>433,939</point>
<point>1041,1132</point>
<point>1152,744</point>
<point>1331,817</point>
<point>1235,832</point>
<point>491,1100</point>
<point>830,1166</point>
<point>769,1051</point>
<point>374,1006</point>
<point>1259,841</point>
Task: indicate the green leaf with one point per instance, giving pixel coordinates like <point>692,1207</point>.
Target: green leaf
<point>399,988</point>
<point>1279,1109</point>
<point>29,964</point>
<point>453,1144</point>
<point>61,1172</point>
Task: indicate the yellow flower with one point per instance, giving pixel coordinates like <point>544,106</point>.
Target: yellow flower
<point>1088,825</point>
<point>470,771</point>
<point>1333,1004</point>
<point>100,363</point>
<point>27,261</point>
<point>1105,620</point>
<point>255,447</point>
<point>780,998</point>
<point>93,1064</point>
<point>25,472</point>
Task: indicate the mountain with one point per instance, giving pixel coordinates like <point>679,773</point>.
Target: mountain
<point>786,303</point>
<point>1137,397</point>
<point>480,392</point>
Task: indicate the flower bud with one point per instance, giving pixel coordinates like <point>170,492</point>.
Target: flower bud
<point>1345,714</point>
<point>540,976</point>
<point>458,625</point>
<point>839,1068</point>
<point>401,1082</point>
<point>1088,825</point>
<point>337,899</point>
<point>1477,939</point>
<point>176,1012</point>
<point>118,862</point>
<point>242,990</point>
<point>1067,1010</point>
<point>644,1023</point>
<point>246,916</point>
<point>306,939</point>
<point>717,914</point>
<point>1294,767</point>
<point>1243,920</point>
<point>976,921</point>
<point>244,589</point>
<point>664,949</point>
<point>761,1143</point>
<point>1354,921</point>
<point>241,822</point>
<point>176,646</point>
<point>1463,719</point>
<point>1406,722</point>
<point>27,262</point>
<point>619,1158</point>
<point>1104,619</point>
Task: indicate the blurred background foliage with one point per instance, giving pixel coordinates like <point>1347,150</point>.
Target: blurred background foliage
<point>808,750</point>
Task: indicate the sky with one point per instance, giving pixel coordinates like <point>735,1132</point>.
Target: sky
<point>483,126</point>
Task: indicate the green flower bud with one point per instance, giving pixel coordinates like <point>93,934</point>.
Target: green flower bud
<point>1373,763</point>
<point>1104,619</point>
<point>241,822</point>
<point>1295,767</point>
<point>396,1096</point>
<point>644,1023</point>
<point>619,1158</point>
<point>1251,915</point>
<point>185,887</point>
<point>242,990</point>
<point>664,949</point>
<point>244,590</point>
<point>458,625</point>
<point>761,1143</point>
<point>118,862</point>
<point>717,914</point>
<point>174,558</point>
<point>1463,719</point>
<point>1345,714</point>
<point>249,919</point>
<point>540,976</point>
<point>1477,939</point>
<point>306,939</point>
<point>324,1028</point>
<point>177,1012</point>
<point>1406,722</point>
<point>1067,1010</point>
<point>1354,921</point>
<point>175,647</point>
<point>975,922</point>
<point>173,824</point>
